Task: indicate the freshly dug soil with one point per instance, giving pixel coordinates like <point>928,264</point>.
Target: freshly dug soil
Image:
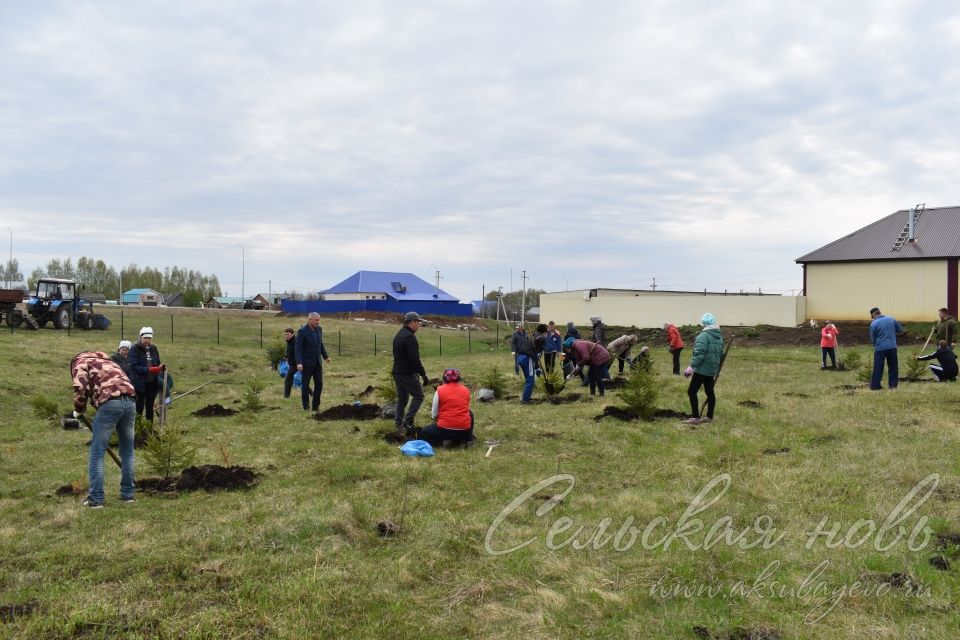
<point>350,412</point>
<point>214,411</point>
<point>774,452</point>
<point>387,529</point>
<point>753,404</point>
<point>940,562</point>
<point>392,437</point>
<point>615,383</point>
<point>738,633</point>
<point>210,477</point>
<point>366,392</point>
<point>213,477</point>
<point>627,416</point>
<point>573,397</point>
<point>795,394</point>
<point>946,539</point>
<point>69,490</point>
<point>669,413</point>
<point>10,612</point>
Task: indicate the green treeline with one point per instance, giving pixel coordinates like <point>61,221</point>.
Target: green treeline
<point>96,276</point>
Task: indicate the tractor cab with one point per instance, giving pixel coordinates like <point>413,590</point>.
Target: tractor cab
<point>56,289</point>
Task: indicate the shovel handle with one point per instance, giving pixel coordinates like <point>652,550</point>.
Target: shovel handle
<point>113,454</point>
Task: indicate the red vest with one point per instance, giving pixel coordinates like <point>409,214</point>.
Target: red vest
<point>454,412</point>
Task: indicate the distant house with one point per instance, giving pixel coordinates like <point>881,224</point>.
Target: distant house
<point>258,302</point>
<point>905,263</point>
<point>386,291</point>
<point>142,297</point>
<point>173,299</point>
<point>224,302</point>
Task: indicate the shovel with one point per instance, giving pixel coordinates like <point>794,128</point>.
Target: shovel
<point>113,454</point>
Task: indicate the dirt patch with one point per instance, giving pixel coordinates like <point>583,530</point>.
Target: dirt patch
<point>776,452</point>
<point>852,387</point>
<point>350,412</point>
<point>366,392</point>
<point>393,437</point>
<point>10,612</point>
<point>669,413</point>
<point>70,490</point>
<point>795,394</point>
<point>915,380</point>
<point>752,404</point>
<point>214,411</point>
<point>617,413</point>
<point>894,579</point>
<point>573,397</point>
<point>210,477</point>
<point>387,529</point>
<point>761,632</point>
<point>615,383</point>
<point>940,562</point>
<point>945,540</point>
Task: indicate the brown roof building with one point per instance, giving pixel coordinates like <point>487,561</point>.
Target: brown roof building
<point>905,263</point>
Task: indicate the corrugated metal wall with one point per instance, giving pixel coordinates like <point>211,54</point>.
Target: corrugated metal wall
<point>908,290</point>
<point>651,310</point>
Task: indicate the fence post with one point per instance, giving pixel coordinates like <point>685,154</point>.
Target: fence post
<point>261,334</point>
<point>218,329</point>
<point>374,344</point>
<point>339,342</point>
<point>469,346</point>
<point>121,320</point>
<point>171,328</point>
<point>498,335</point>
<point>441,343</point>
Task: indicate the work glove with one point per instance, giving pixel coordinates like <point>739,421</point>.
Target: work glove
<point>153,370</point>
<point>426,380</point>
<point>77,414</point>
<point>688,372</point>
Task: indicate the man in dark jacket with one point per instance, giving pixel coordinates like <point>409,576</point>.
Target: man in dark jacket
<point>406,368</point>
<point>310,355</point>
<point>947,327</point>
<point>291,358</point>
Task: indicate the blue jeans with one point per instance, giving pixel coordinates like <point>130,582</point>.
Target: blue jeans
<point>890,357</point>
<point>529,366</point>
<point>119,414</point>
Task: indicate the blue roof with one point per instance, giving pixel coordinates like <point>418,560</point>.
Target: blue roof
<point>399,286</point>
<point>136,292</point>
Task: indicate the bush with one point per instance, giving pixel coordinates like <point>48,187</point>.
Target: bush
<point>166,451</point>
<point>914,369</point>
<point>45,408</point>
<point>641,390</point>
<point>386,388</point>
<point>864,373</point>
<point>850,361</point>
<point>251,394</point>
<point>495,380</point>
<point>276,352</point>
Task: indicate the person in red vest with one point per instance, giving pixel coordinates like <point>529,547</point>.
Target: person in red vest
<point>676,345</point>
<point>828,345</point>
<point>453,419</point>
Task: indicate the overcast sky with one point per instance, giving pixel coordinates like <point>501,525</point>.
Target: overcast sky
<point>592,144</point>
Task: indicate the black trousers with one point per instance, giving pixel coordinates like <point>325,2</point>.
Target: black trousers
<point>408,388</point>
<point>315,374</point>
<point>676,361</point>
<point>549,358</point>
<point>147,397</point>
<point>288,380</point>
<point>436,435</point>
<point>707,383</point>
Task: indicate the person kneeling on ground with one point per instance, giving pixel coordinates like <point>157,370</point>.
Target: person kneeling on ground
<point>453,419</point>
<point>946,371</point>
<point>704,367</point>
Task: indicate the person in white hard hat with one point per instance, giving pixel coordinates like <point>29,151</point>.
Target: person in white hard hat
<point>146,366</point>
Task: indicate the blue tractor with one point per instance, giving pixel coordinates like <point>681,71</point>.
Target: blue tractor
<point>58,301</point>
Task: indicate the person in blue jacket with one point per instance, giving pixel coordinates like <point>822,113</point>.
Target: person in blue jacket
<point>310,355</point>
<point>883,335</point>
<point>552,347</point>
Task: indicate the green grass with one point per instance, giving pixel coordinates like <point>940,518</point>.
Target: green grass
<point>299,555</point>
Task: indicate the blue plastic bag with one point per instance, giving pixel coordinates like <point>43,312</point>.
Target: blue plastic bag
<point>283,368</point>
<point>417,448</point>
<point>298,379</point>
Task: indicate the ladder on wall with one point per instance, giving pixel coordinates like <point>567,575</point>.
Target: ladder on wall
<point>905,234</point>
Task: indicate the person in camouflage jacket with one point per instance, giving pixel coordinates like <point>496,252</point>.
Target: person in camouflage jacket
<point>100,381</point>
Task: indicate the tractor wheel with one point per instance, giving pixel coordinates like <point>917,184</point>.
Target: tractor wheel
<point>14,319</point>
<point>61,318</point>
<point>88,322</point>
<point>41,322</point>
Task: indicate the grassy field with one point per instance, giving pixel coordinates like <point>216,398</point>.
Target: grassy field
<point>299,555</point>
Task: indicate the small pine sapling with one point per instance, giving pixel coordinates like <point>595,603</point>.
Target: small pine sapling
<point>914,369</point>
<point>641,390</point>
<point>553,380</point>
<point>251,394</point>
<point>166,451</point>
<point>386,388</point>
<point>495,380</point>
<point>851,361</point>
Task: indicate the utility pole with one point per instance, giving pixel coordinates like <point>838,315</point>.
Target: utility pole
<point>243,273</point>
<point>523,298</point>
<point>654,285</point>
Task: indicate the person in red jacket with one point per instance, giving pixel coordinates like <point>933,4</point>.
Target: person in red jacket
<point>828,344</point>
<point>453,419</point>
<point>675,345</point>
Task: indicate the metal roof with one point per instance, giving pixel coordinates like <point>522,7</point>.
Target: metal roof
<point>399,286</point>
<point>936,233</point>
